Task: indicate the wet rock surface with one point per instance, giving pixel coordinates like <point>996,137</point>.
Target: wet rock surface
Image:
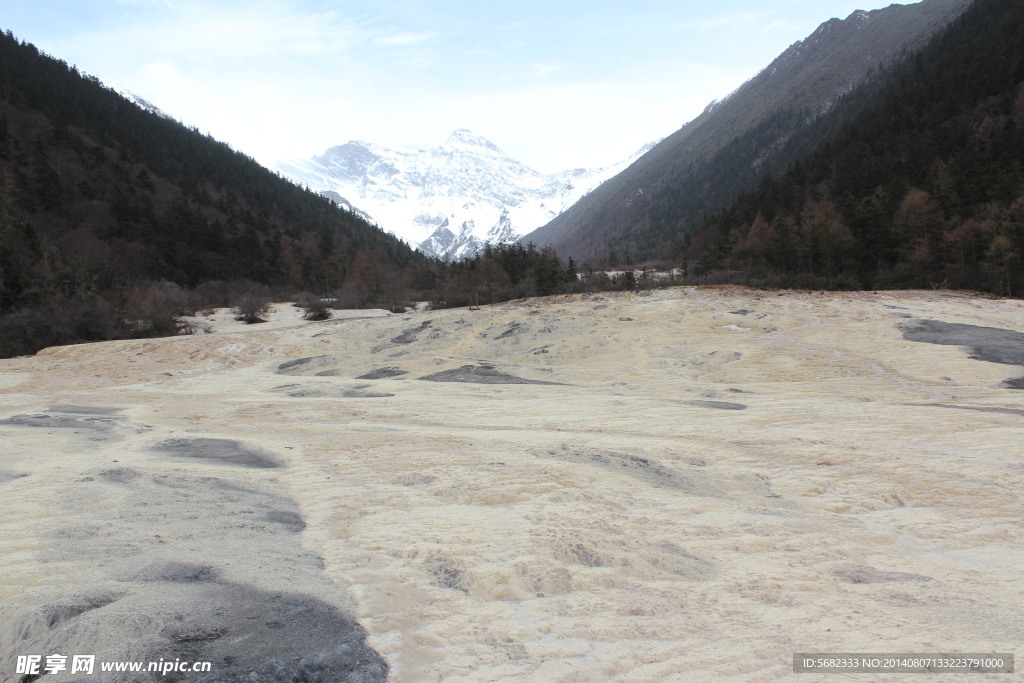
<point>991,344</point>
<point>717,405</point>
<point>220,450</point>
<point>980,409</point>
<point>171,557</point>
<point>326,391</point>
<point>383,373</point>
<point>95,423</point>
<point>480,374</point>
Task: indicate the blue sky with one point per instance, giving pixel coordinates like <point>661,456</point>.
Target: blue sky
<point>555,84</point>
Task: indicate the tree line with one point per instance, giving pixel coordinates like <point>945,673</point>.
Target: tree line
<point>925,187</point>
<point>110,213</point>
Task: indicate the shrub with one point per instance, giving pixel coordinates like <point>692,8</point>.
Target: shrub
<point>316,309</point>
<point>153,310</point>
<point>191,327</point>
<point>252,309</point>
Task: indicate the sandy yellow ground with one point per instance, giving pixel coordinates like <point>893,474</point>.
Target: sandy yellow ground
<point>708,481</point>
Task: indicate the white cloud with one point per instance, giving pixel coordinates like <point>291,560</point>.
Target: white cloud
<point>403,38</point>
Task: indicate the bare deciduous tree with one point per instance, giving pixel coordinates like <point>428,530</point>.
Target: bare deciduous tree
<point>251,310</point>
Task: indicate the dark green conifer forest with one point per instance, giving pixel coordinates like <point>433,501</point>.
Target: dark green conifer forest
<point>924,187</point>
<point>110,214</point>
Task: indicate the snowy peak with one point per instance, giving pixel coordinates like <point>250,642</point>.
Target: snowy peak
<point>463,139</point>
<point>449,200</point>
<point>353,159</point>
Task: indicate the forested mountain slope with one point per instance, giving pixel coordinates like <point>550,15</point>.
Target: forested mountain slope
<point>925,187</point>
<point>766,124</point>
<point>99,199</point>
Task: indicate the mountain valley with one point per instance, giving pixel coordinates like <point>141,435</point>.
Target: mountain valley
<point>447,201</point>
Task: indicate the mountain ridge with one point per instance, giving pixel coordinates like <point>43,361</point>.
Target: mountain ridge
<point>108,210</point>
<point>754,130</point>
<point>923,187</point>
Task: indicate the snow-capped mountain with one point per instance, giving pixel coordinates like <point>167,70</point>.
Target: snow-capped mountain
<point>448,200</point>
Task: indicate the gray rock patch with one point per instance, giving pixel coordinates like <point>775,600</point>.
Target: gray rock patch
<point>160,587</point>
<point>223,450</point>
<point>717,405</point>
<point>322,391</point>
<point>120,475</point>
<point>383,373</point>
<point>97,423</point>
<point>354,393</point>
<point>513,330</point>
<point>322,366</point>
<point>56,421</point>
<point>286,368</point>
<point>248,634</point>
<point>84,410</point>
<point>991,344</point>
<point>178,572</point>
<point>980,409</point>
<point>6,476</point>
<point>289,519</point>
<point>481,374</point>
<point>410,335</point>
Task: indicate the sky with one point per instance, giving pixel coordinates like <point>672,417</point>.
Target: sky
<point>555,84</point>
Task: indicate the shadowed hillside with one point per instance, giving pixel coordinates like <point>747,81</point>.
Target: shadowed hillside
<point>766,124</point>
<point>925,187</point>
<point>99,199</point>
